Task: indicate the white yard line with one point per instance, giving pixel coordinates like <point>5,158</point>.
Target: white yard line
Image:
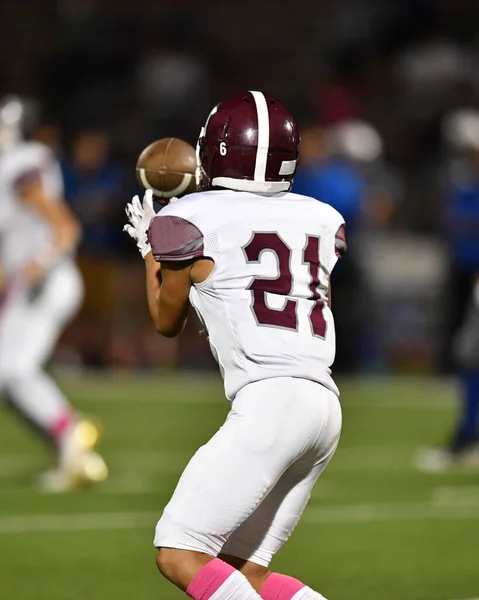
<point>349,458</point>
<point>77,522</point>
<point>123,461</point>
<point>460,495</point>
<point>367,513</point>
<point>355,513</point>
<point>131,473</point>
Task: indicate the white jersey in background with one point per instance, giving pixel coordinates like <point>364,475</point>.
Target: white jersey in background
<point>265,303</point>
<point>32,318</point>
<point>23,233</point>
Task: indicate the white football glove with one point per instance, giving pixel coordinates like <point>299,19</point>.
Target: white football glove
<point>140,216</point>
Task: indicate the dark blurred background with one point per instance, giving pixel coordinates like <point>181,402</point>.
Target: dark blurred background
<point>381,90</point>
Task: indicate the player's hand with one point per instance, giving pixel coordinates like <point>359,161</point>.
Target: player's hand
<point>139,217</point>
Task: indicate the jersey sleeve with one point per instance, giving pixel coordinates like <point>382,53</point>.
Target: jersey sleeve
<point>31,165</point>
<point>340,245</point>
<point>336,246</point>
<point>28,176</point>
<point>173,238</point>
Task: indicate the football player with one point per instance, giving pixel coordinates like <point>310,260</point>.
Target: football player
<point>41,290</point>
<point>460,179</point>
<point>254,260</point>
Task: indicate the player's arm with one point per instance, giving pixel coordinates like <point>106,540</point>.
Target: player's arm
<point>177,244</point>
<point>168,289</point>
<point>65,227</point>
<point>173,251</point>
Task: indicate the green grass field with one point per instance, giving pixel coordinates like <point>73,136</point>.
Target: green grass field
<point>375,529</point>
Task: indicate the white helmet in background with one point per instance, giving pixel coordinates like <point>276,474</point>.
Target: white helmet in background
<point>17,116</point>
<point>460,130</point>
<point>355,140</point>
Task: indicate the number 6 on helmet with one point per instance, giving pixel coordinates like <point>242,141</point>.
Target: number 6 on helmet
<point>250,143</point>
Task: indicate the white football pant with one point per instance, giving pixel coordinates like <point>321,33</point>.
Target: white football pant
<point>30,325</point>
<point>243,492</point>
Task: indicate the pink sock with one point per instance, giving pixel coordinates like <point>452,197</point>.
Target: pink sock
<point>280,587</point>
<point>62,424</point>
<point>211,577</point>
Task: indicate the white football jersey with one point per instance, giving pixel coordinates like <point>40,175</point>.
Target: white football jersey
<point>265,303</point>
<point>23,233</point>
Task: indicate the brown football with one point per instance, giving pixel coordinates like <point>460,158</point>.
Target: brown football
<point>167,167</point>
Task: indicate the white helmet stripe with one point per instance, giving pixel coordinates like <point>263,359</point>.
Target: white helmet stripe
<point>263,136</point>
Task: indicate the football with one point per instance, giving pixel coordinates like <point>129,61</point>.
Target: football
<point>167,167</point>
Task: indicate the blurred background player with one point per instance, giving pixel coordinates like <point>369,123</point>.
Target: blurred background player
<point>460,135</point>
<point>93,186</point>
<point>41,290</point>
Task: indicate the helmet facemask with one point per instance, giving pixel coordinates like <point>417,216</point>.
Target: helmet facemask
<point>202,179</point>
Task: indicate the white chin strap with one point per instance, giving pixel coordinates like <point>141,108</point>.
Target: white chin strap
<point>199,167</point>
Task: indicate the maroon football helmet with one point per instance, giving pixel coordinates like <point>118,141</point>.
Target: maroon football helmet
<point>250,143</point>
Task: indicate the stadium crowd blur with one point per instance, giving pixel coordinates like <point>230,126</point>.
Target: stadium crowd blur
<point>371,83</point>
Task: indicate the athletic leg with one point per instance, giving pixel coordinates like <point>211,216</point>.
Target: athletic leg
<point>252,546</point>
<point>468,426</point>
<point>204,577</point>
<point>268,428</point>
<point>29,330</point>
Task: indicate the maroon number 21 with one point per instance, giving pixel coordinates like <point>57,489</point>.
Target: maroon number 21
<point>282,285</point>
